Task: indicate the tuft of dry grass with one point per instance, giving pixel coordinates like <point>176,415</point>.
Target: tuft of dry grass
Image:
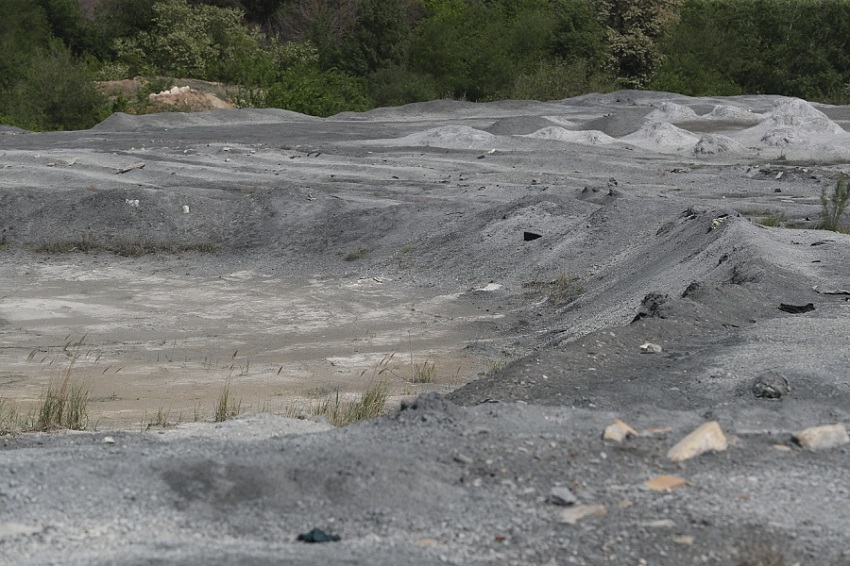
<point>424,373</point>
<point>564,289</point>
<point>341,413</point>
<point>121,247</point>
<point>226,407</point>
<point>63,405</point>
<point>11,421</point>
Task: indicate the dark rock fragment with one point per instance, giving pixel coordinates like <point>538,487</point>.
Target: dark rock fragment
<point>318,535</point>
<point>771,385</point>
<point>653,305</point>
<point>796,309</point>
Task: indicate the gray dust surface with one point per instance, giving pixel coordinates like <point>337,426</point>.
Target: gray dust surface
<point>564,264</point>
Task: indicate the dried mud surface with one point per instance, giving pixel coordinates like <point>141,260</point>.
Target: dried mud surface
<point>562,265</point>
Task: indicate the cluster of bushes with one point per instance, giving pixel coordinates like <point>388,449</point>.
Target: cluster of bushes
<point>324,56</point>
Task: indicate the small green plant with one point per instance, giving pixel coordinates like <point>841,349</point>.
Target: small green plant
<point>424,373</point>
<point>834,205</point>
<point>160,419</point>
<point>406,249</point>
<point>226,407</point>
<point>773,221</point>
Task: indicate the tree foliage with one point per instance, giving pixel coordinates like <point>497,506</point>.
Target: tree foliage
<point>325,56</point>
<point>633,29</point>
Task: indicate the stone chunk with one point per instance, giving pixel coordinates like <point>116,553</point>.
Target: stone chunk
<point>708,437</point>
<point>573,515</point>
<point>650,348</point>
<point>665,483</point>
<point>562,496</point>
<point>771,385</point>
<point>822,437</point>
<point>618,431</point>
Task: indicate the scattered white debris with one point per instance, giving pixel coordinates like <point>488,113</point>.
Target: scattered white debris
<point>185,209</point>
<point>132,202</point>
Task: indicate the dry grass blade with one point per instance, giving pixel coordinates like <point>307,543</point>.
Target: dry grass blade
<point>226,407</point>
<point>340,413</point>
<point>424,373</point>
<point>63,406</point>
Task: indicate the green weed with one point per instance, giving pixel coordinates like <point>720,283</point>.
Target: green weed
<point>834,205</point>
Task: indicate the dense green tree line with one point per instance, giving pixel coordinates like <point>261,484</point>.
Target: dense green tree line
<point>325,56</point>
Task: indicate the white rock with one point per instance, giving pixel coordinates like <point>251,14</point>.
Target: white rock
<point>822,437</point>
<point>650,348</point>
<point>618,431</point>
<point>573,515</point>
<point>708,437</point>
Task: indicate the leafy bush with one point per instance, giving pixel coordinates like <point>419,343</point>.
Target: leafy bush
<point>198,41</point>
<point>393,86</point>
<point>55,92</point>
<point>634,28</point>
<point>320,93</point>
<point>557,79</point>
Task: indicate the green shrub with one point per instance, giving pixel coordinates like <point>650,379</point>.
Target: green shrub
<point>834,205</point>
<point>555,79</point>
<point>55,92</point>
<point>318,93</point>
<point>198,41</point>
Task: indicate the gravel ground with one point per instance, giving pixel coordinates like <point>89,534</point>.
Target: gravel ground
<point>579,261</point>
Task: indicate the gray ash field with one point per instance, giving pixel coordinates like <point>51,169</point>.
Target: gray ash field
<point>638,256</point>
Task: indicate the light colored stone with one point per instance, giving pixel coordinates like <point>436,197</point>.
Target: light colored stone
<point>562,496</point>
<point>650,348</point>
<point>659,524</point>
<point>656,431</point>
<point>708,437</point>
<point>573,515</point>
<point>618,431</point>
<point>11,529</point>
<point>822,437</point>
<point>665,483</point>
<point>108,440</point>
<point>463,459</point>
<point>782,448</point>
<point>687,540</point>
